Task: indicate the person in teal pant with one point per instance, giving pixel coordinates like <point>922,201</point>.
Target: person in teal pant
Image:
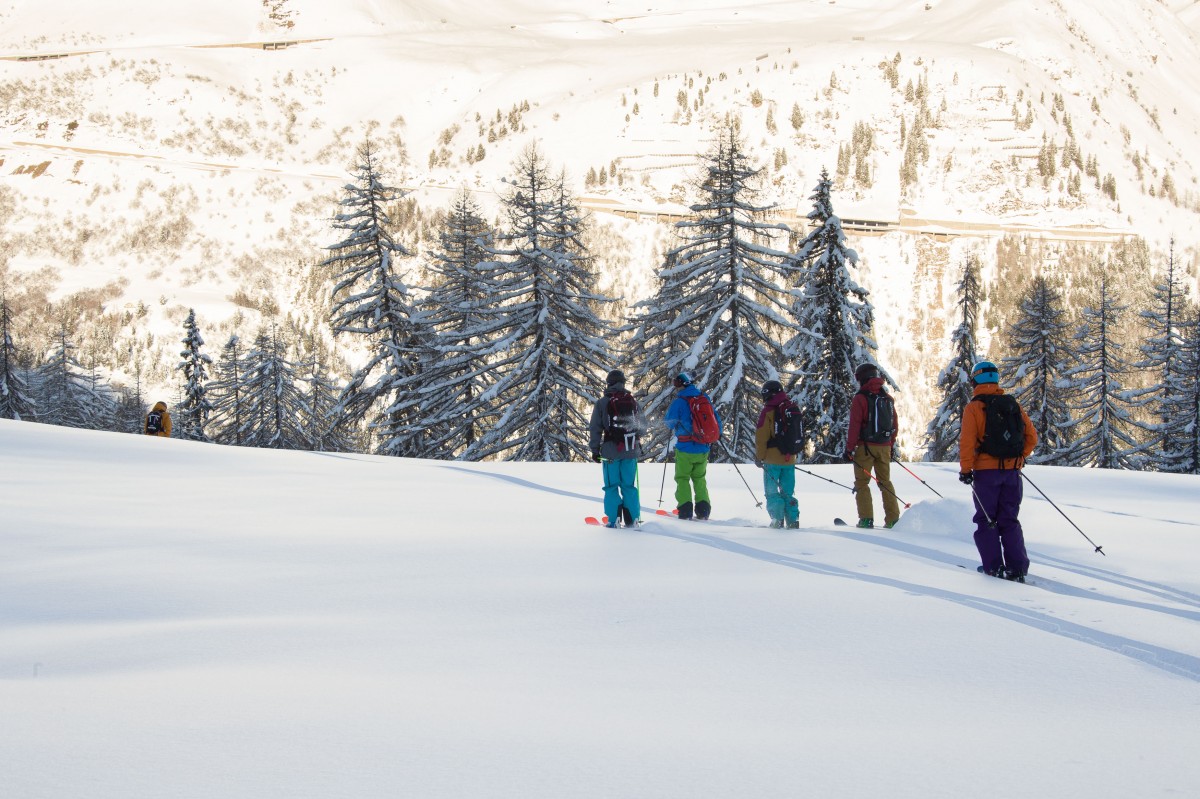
<point>615,440</point>
<point>691,457</point>
<point>779,468</point>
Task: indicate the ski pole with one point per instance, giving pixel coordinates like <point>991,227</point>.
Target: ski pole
<point>1099,548</point>
<point>979,504</point>
<point>663,487</point>
<point>882,487</point>
<point>748,488</point>
<point>910,471</point>
<point>826,479</point>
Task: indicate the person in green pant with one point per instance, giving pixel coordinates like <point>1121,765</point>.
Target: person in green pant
<point>691,455</point>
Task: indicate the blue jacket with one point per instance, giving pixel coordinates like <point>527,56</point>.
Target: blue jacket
<point>679,420</point>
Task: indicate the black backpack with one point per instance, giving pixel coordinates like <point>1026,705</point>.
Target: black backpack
<point>1004,428</point>
<point>621,422</point>
<point>154,424</point>
<point>879,426</point>
<point>788,435</point>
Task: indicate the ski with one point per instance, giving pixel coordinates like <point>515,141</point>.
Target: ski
<point>597,522</point>
<point>840,523</point>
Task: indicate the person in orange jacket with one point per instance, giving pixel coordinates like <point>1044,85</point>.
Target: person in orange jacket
<point>158,421</point>
<point>995,480</point>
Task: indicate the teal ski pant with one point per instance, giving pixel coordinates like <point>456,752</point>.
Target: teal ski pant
<point>779,484</point>
<point>621,488</point>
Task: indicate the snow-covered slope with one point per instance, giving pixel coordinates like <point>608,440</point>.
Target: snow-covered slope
<point>189,620</point>
<point>171,160</point>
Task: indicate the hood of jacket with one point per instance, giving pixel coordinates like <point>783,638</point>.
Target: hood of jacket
<point>159,406</point>
<point>873,386</point>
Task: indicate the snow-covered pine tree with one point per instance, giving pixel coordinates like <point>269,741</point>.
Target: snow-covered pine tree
<point>194,410</point>
<point>16,395</point>
<point>1163,356</point>
<point>228,419</point>
<point>1105,434</point>
<point>548,348</point>
<point>1184,455</point>
<point>834,320</point>
<point>461,316</point>
<point>370,300</point>
<point>722,295</point>
<point>954,381</point>
<point>275,407</point>
<point>1039,343</point>
<point>66,395</point>
<point>321,396</point>
<point>130,413</point>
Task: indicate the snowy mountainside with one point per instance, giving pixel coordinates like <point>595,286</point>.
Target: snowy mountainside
<point>178,157</point>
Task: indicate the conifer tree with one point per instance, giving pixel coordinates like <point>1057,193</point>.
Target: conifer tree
<point>547,346</point>
<point>321,396</point>
<point>1183,453</point>
<point>1105,434</point>
<point>16,396</point>
<point>461,315</point>
<point>833,319</point>
<point>275,406</point>
<point>194,410</point>
<point>954,381</point>
<point>68,393</point>
<point>228,418</point>
<point>721,301</point>
<point>371,300</point>
<point>1038,348</point>
<point>1163,356</point>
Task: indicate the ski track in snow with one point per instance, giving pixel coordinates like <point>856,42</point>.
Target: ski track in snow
<point>1171,661</point>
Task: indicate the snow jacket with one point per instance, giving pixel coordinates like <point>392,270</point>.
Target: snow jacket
<point>679,421</point>
<point>858,417</point>
<point>974,421</point>
<point>165,432</point>
<point>765,428</point>
<point>612,450</point>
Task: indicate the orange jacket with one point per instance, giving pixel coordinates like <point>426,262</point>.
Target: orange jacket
<point>973,422</point>
<point>166,421</point>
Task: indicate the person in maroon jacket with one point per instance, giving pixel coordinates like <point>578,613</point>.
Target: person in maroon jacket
<point>869,444</point>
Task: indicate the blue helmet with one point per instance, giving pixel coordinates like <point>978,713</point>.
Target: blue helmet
<point>683,379</point>
<point>985,372</point>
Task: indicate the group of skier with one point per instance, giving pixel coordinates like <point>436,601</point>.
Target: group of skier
<point>995,438</point>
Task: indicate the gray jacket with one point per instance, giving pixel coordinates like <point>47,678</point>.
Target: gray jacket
<point>614,450</point>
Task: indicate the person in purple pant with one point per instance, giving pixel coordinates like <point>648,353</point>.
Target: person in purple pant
<point>996,438</point>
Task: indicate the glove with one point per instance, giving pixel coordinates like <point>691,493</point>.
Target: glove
<point>758,462</point>
<point>966,478</point>
<point>596,455</point>
<point>849,455</point>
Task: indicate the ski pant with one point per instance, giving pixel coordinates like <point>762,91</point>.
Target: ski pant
<point>877,457</point>
<point>620,488</point>
<point>998,495</point>
<point>690,470</point>
<point>779,484</point>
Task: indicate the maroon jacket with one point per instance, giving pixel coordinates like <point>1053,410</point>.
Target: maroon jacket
<point>858,417</point>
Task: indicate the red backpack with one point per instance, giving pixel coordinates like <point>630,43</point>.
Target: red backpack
<point>705,429</point>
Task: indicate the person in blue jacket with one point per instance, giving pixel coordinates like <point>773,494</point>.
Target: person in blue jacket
<point>691,457</point>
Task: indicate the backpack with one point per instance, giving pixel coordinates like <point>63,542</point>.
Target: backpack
<point>880,424</point>
<point>788,435</point>
<point>154,424</point>
<point>621,422</point>
<point>1004,428</point>
<point>705,429</point>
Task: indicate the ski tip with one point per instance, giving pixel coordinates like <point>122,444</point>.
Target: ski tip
<point>840,522</point>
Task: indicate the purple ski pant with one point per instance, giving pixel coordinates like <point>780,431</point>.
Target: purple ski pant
<point>998,497</point>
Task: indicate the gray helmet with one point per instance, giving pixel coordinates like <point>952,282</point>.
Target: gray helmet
<point>614,377</point>
<point>865,372</point>
<point>771,388</point>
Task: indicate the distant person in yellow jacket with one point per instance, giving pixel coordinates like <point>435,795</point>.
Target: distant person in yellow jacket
<point>158,421</point>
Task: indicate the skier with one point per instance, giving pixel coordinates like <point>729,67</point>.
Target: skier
<point>779,468</point>
<point>158,421</point>
<point>994,473</point>
<point>615,433</point>
<point>691,450</point>
<point>869,443</point>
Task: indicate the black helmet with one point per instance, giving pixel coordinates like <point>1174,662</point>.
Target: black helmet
<point>865,372</point>
<point>614,377</point>
<point>771,388</point>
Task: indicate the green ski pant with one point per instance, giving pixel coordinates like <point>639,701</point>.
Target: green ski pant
<point>690,470</point>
